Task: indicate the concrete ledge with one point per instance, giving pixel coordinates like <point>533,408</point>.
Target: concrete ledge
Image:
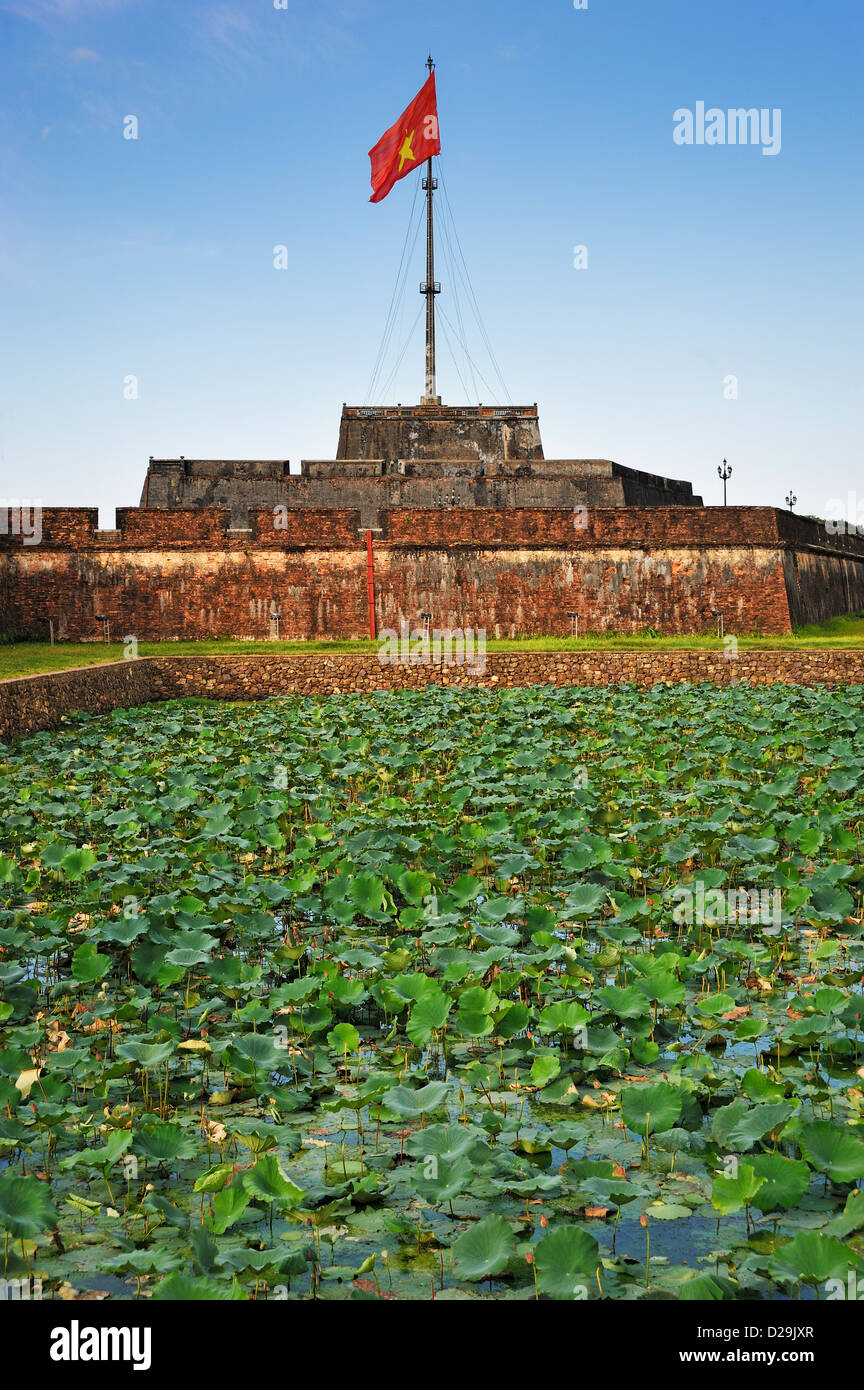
<point>40,702</point>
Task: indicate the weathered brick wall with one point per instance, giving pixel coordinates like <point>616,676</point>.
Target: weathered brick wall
<point>820,585</point>
<point>166,594</point>
<point>186,528</point>
<point>639,527</point>
<point>531,591</point>
<point>165,574</point>
<point>174,593</point>
<point>40,702</point>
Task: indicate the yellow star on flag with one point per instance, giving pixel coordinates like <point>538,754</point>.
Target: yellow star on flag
<point>407,151</point>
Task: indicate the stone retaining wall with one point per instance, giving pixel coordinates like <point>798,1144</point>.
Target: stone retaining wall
<point>40,702</point>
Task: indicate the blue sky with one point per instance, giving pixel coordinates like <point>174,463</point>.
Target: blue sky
<point>153,258</point>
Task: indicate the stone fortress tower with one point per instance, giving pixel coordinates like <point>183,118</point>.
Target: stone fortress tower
<point>423,456</point>
<point>444,513</point>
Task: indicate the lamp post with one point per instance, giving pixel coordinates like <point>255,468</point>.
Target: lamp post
<point>574,624</point>
<point>106,626</point>
<point>275,617</point>
<point>725,473</point>
<point>721,626</point>
<point>426,619</point>
<point>791,499</point>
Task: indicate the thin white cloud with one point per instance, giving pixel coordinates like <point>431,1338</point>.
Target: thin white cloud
<point>229,34</point>
<point>225,28</point>
<point>85,55</point>
<point>45,12</point>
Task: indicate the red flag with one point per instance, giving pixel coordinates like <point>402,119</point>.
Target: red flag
<point>407,144</point>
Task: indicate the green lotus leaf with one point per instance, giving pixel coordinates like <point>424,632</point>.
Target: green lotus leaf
<point>683,847</point>
<point>88,965</point>
<point>401,1100</point>
<point>449,1142</point>
<point>739,1126</point>
<point>414,887</point>
<point>737,1191</point>
<point>261,1051</point>
<point>163,1143</point>
<point>566,1259</point>
<point>367,893</point>
<point>651,1109</point>
<point>663,989</point>
<point>484,1250</point>
<point>214,1179</point>
<point>180,1287</point>
<point>76,864</point>
<point>706,1288</point>
<point>626,1003</point>
<point>564,1018</point>
<point>814,1258</point>
<point>715,1005</point>
<point>439,1180</point>
<point>786,1181</point>
<point>833,1151</point>
<point>147,1055</point>
<point>757,1086</point>
<point>473,1024</point>
<point>186,957</point>
<point>428,1014</point>
<point>347,992</point>
<point>344,1038</point>
<point>829,905</point>
<point>464,890</point>
<point>26,1209</point>
<point>228,1206</point>
<point>142,1262</point>
<point>667,1211</point>
<point>585,900</point>
<point>268,1183</point>
<point>746,847</point>
<point>544,1070</point>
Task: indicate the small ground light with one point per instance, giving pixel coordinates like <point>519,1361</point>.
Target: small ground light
<point>725,473</point>
<point>791,499</point>
<point>106,626</point>
<point>574,624</point>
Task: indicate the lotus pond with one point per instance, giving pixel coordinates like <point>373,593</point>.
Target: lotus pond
<point>437,994</point>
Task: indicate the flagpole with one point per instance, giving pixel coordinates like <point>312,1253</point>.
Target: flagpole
<point>430,288</point>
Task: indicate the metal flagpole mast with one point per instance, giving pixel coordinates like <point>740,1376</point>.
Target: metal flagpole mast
<point>430,288</point>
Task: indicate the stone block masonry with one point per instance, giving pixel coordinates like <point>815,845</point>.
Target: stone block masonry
<point>439,433</point>
<point>162,574</point>
<point>372,484</point>
<point>41,702</point>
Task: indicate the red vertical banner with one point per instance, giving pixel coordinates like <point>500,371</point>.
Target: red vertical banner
<point>370,584</point>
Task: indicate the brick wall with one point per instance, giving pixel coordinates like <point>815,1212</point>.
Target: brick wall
<point>40,702</point>
<point>638,527</point>
<point>163,574</point>
<point>529,591</point>
<point>186,528</point>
